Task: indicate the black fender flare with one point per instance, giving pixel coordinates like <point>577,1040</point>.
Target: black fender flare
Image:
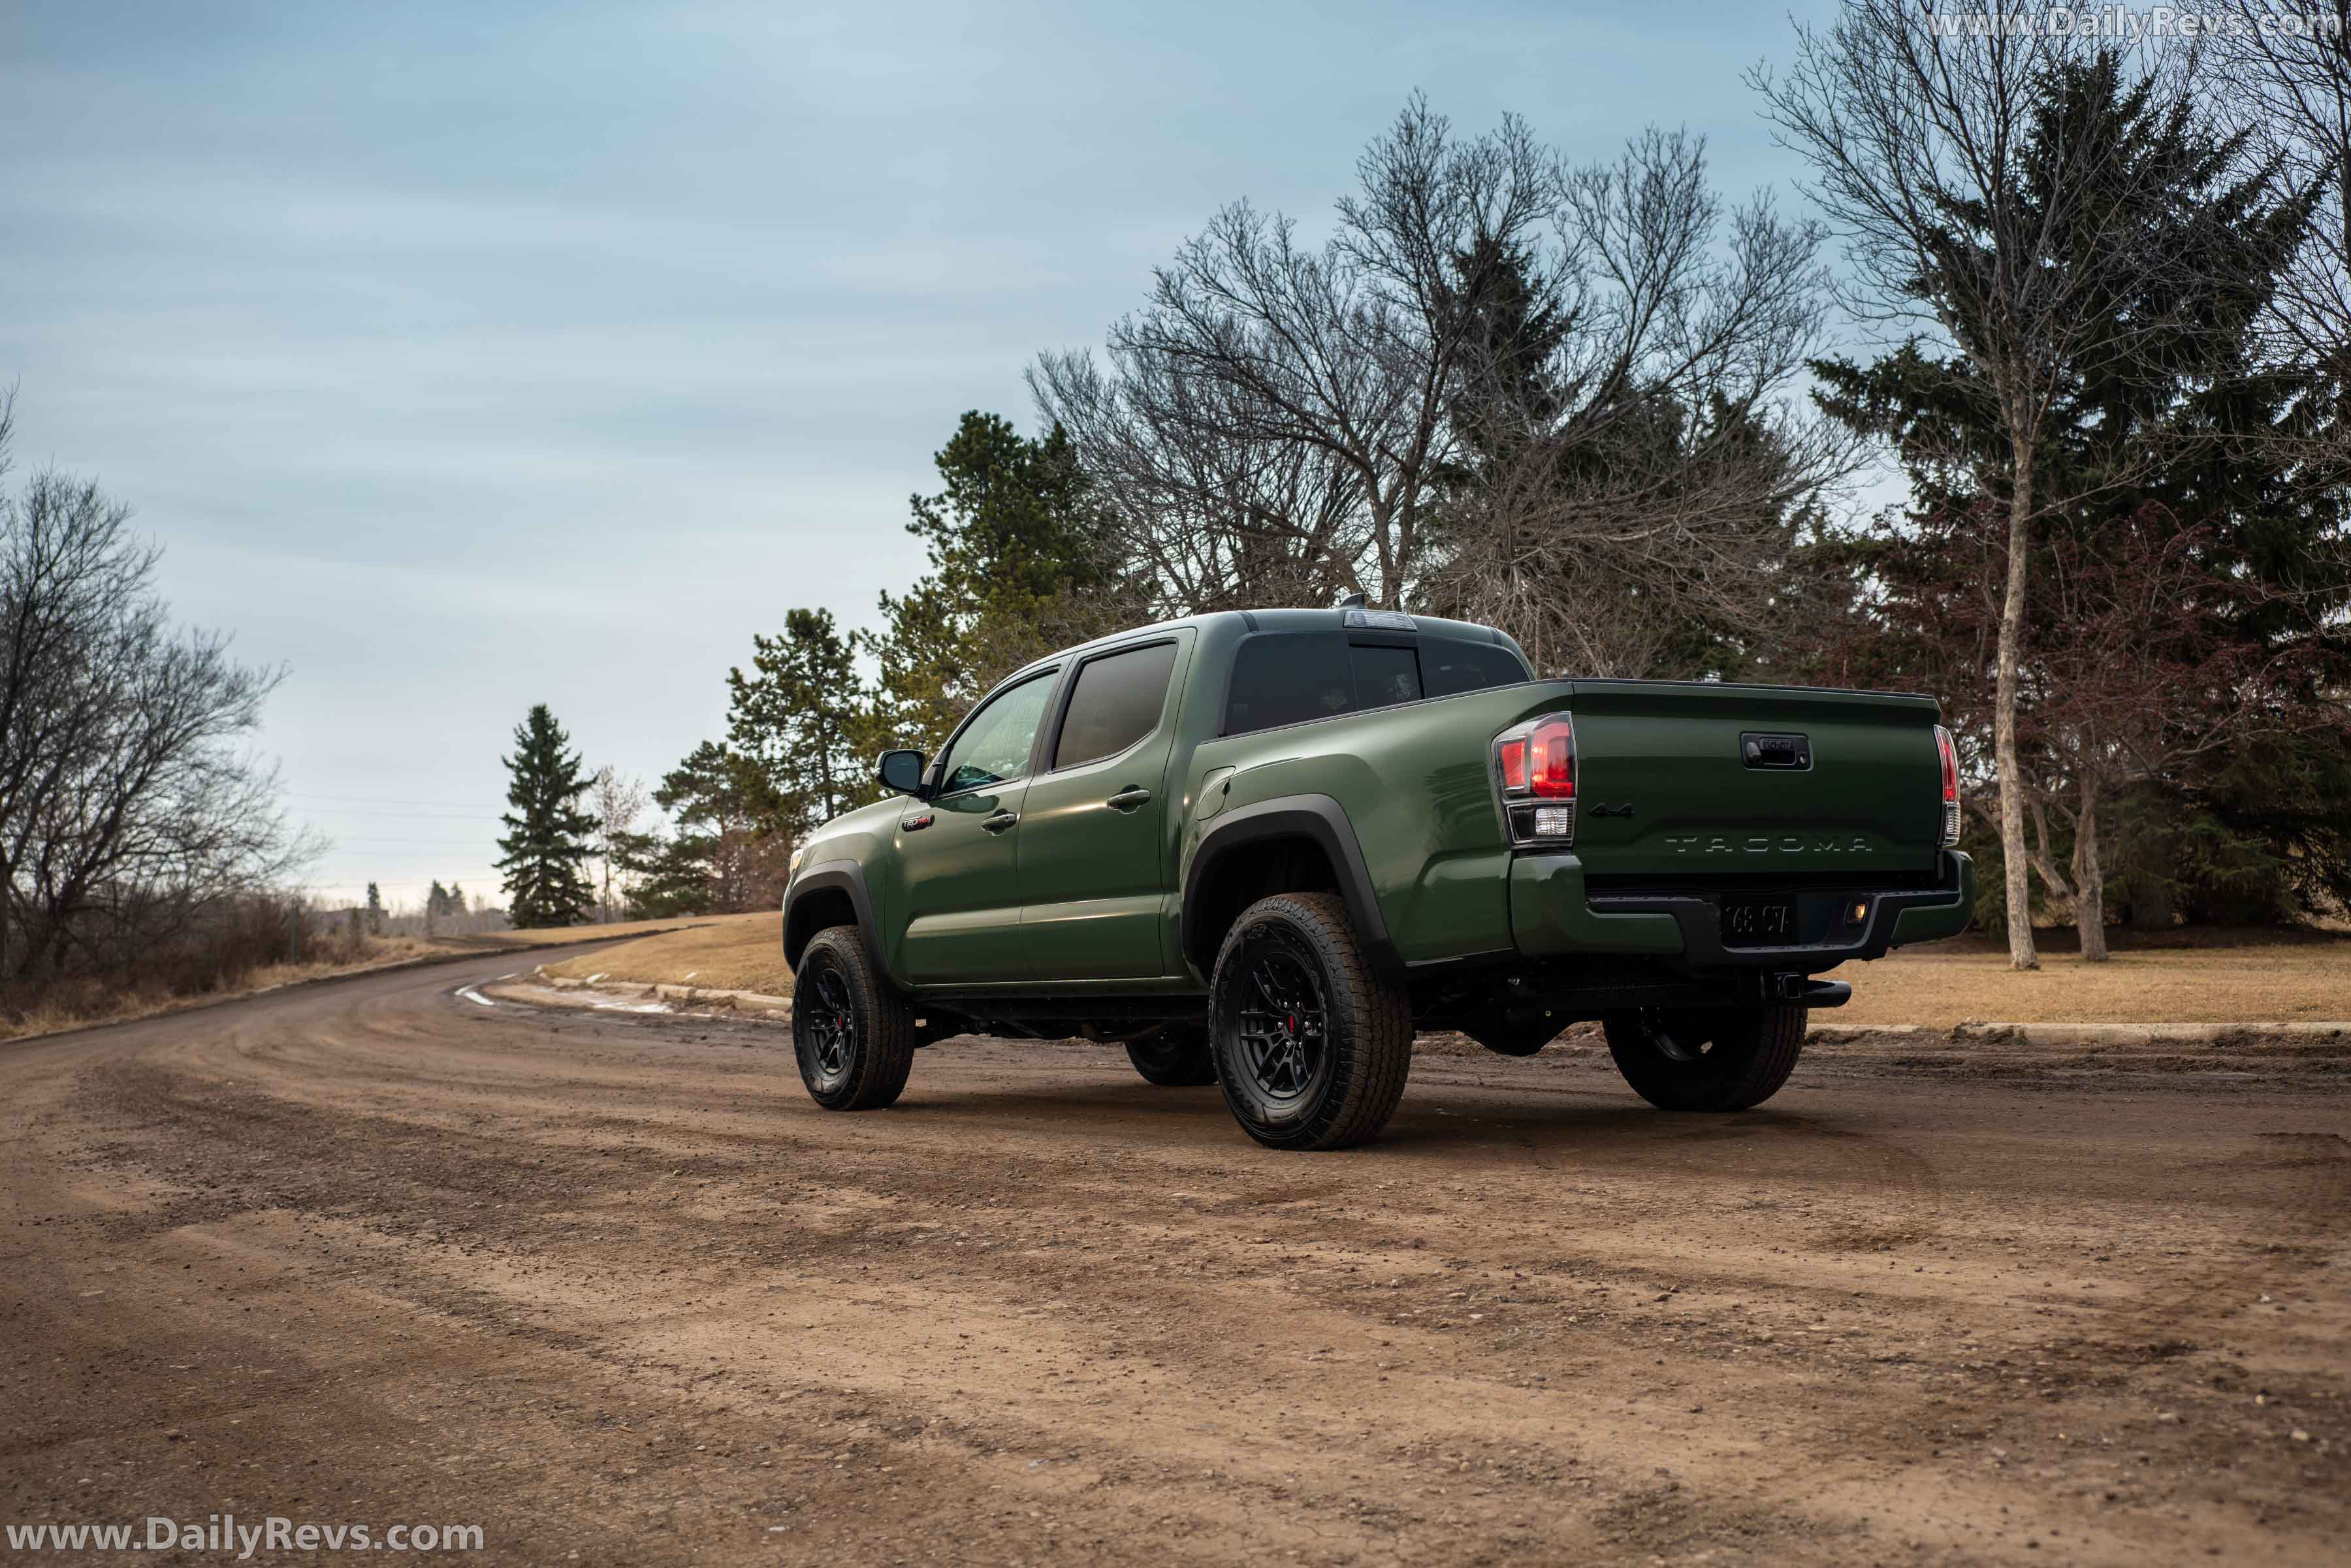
<point>1317,818</point>
<point>843,875</point>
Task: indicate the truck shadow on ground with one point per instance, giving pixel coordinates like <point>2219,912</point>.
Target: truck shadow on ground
<point>1453,1120</point>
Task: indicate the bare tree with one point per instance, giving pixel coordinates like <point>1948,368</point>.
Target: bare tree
<point>2282,78</point>
<point>1508,387</point>
<point>1294,396</point>
<point>616,800</point>
<point>1972,208</point>
<point>1635,462</point>
<point>1203,522</point>
<point>127,808</point>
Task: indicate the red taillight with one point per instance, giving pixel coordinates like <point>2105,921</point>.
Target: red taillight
<point>1512,751</point>
<point>1552,768</point>
<point>1535,762</point>
<point>1949,755</point>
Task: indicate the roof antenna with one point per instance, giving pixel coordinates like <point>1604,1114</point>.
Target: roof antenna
<point>1350,602</point>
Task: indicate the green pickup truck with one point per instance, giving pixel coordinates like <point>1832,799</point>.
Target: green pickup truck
<point>1262,849</point>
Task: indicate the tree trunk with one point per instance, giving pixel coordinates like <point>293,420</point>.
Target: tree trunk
<point>2089,879</point>
<point>2052,878</point>
<point>2018,881</point>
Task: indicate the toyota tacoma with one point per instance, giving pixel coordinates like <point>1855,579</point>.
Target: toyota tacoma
<point>1263,849</point>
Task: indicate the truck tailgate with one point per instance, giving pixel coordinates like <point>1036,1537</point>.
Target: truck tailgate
<point>1690,783</point>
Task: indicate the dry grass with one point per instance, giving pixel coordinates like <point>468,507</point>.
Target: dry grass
<point>561,935</point>
<point>731,953</point>
<point>86,1007</point>
<point>2252,979</point>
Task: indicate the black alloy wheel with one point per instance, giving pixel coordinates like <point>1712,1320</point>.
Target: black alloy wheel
<point>853,1033</point>
<point>1312,1039</point>
<point>1284,1019</point>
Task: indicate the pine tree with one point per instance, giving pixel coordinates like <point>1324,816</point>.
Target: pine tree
<point>2181,435</point>
<point>1021,563</point>
<point>374,910</point>
<point>547,842</point>
<point>795,720</point>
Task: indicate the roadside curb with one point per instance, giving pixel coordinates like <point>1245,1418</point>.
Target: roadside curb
<point>2077,1035</point>
<point>754,1003</point>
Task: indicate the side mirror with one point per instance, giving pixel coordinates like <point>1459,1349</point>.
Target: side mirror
<point>900,771</point>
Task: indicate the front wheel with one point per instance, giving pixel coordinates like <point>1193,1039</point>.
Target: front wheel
<point>1705,1059</point>
<point>1313,1044</point>
<point>853,1034</point>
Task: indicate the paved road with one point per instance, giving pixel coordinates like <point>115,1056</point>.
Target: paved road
<point>609,1286</point>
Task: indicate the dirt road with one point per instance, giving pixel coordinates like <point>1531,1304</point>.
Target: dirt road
<point>610,1286</point>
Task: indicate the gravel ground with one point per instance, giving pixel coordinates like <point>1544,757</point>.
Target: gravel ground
<point>608,1285</point>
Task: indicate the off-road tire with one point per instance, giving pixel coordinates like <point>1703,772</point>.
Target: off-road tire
<point>1362,1039</point>
<point>865,1067</point>
<point>1707,1059</point>
<point>1176,1057</point>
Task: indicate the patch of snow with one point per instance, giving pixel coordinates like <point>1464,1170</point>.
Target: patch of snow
<point>472,995</point>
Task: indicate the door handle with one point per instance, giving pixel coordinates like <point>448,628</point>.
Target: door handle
<point>1001,822</point>
<point>1129,799</point>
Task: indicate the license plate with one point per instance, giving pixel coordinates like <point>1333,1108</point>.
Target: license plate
<point>1758,922</point>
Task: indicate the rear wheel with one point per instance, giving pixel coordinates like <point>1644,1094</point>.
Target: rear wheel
<point>852,1032</point>
<point>1174,1056</point>
<point>1705,1059</point>
<point>1312,1045</point>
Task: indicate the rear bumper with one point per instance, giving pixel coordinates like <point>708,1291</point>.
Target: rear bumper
<point>1551,914</point>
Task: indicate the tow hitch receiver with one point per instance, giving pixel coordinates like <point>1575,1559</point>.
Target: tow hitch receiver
<point>1806,992</point>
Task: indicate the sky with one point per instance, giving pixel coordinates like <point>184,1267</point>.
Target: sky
<point>467,356</point>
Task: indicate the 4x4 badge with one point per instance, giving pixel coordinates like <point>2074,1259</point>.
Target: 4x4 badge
<point>1606,811</point>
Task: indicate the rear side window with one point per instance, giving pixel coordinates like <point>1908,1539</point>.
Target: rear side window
<point>1289,677</point>
<point>1116,703</point>
<point>1448,667</point>
<point>1384,675</point>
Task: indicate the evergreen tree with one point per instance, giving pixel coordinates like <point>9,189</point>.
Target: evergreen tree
<point>669,875</point>
<point>2178,434</point>
<point>1020,564</point>
<point>545,847</point>
<point>374,910</point>
<point>728,853</point>
<point>795,728</point>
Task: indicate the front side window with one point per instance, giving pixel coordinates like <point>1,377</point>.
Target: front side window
<point>993,746</point>
<point>1116,703</point>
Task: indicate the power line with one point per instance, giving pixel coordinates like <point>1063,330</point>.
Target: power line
<point>396,801</point>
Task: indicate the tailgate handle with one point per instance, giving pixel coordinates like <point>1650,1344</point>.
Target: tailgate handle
<point>1761,748</point>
